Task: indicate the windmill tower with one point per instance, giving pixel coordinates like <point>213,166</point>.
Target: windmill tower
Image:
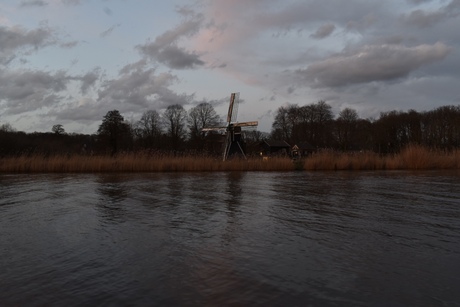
<point>233,141</point>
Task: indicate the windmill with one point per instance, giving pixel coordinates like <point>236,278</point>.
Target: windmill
<point>232,143</point>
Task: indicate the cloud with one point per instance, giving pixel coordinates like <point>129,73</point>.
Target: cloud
<point>165,48</point>
<point>85,110</point>
<point>71,2</point>
<point>109,31</point>
<point>423,19</point>
<point>26,90</point>
<point>28,3</point>
<point>108,11</point>
<point>30,90</point>
<point>42,3</point>
<point>69,45</point>
<point>89,80</point>
<point>324,31</point>
<point>138,87</point>
<point>14,39</point>
<point>135,90</point>
<point>371,63</point>
<point>418,1</point>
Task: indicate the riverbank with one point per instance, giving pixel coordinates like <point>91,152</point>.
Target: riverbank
<point>411,158</point>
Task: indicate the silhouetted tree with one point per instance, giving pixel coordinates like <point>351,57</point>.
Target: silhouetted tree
<point>346,125</point>
<point>148,129</point>
<point>174,118</point>
<point>441,127</point>
<point>58,129</point>
<point>114,130</point>
<point>322,127</point>
<point>390,132</point>
<point>199,117</point>
<point>310,123</point>
<point>284,123</point>
<point>7,128</point>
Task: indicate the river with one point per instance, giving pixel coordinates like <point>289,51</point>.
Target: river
<point>231,239</point>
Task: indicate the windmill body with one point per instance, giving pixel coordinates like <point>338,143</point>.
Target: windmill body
<point>233,139</point>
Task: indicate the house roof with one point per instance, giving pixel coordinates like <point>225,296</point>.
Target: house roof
<point>304,146</point>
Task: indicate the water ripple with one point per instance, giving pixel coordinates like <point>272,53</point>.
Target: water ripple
<point>318,238</point>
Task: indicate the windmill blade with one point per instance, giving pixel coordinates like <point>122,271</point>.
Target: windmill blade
<point>213,129</point>
<point>236,104</point>
<point>232,112</point>
<point>246,124</point>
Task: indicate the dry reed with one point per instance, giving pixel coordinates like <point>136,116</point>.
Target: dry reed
<point>413,157</point>
<point>136,163</point>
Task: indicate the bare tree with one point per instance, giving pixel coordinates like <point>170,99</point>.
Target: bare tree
<point>149,128</point>
<point>346,125</point>
<point>174,118</point>
<point>58,129</point>
<point>199,117</point>
<point>285,121</point>
<point>7,128</point>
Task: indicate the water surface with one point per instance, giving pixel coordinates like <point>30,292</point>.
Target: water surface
<point>279,239</point>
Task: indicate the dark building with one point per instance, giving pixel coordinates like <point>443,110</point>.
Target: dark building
<point>302,149</point>
<point>269,148</point>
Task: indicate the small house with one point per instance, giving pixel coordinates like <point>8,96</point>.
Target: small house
<point>269,148</point>
<point>302,149</point>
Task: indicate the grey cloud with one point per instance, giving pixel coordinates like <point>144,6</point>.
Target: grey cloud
<point>371,63</point>
<point>139,65</point>
<point>108,31</point>
<point>165,48</point>
<point>69,45</point>
<point>71,2</point>
<point>324,31</point>
<point>87,110</point>
<point>357,14</point>
<point>141,88</point>
<point>178,58</point>
<point>453,8</point>
<point>89,80</point>
<point>27,3</point>
<point>421,18</point>
<point>13,39</point>
<point>108,11</point>
<point>29,90</point>
<point>418,1</point>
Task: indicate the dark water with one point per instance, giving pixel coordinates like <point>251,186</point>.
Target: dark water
<point>218,239</point>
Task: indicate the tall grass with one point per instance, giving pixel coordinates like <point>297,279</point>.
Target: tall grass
<point>413,157</point>
<point>137,163</point>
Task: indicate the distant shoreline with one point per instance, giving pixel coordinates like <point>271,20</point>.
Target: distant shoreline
<point>411,158</point>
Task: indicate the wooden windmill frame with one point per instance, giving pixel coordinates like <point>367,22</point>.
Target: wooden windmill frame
<point>232,129</point>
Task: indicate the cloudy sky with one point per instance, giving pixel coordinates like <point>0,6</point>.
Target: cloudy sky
<point>69,62</point>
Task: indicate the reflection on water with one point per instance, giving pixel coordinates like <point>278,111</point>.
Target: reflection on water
<point>283,239</point>
<point>112,195</point>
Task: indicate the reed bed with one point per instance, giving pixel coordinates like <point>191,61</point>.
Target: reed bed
<point>413,157</point>
<point>137,163</point>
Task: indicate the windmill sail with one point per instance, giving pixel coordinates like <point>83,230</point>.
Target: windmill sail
<point>234,103</point>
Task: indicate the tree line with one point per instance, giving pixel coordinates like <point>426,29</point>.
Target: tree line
<point>177,130</point>
<point>391,132</point>
<point>174,129</point>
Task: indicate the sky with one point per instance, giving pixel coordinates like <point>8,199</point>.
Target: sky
<point>69,62</point>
